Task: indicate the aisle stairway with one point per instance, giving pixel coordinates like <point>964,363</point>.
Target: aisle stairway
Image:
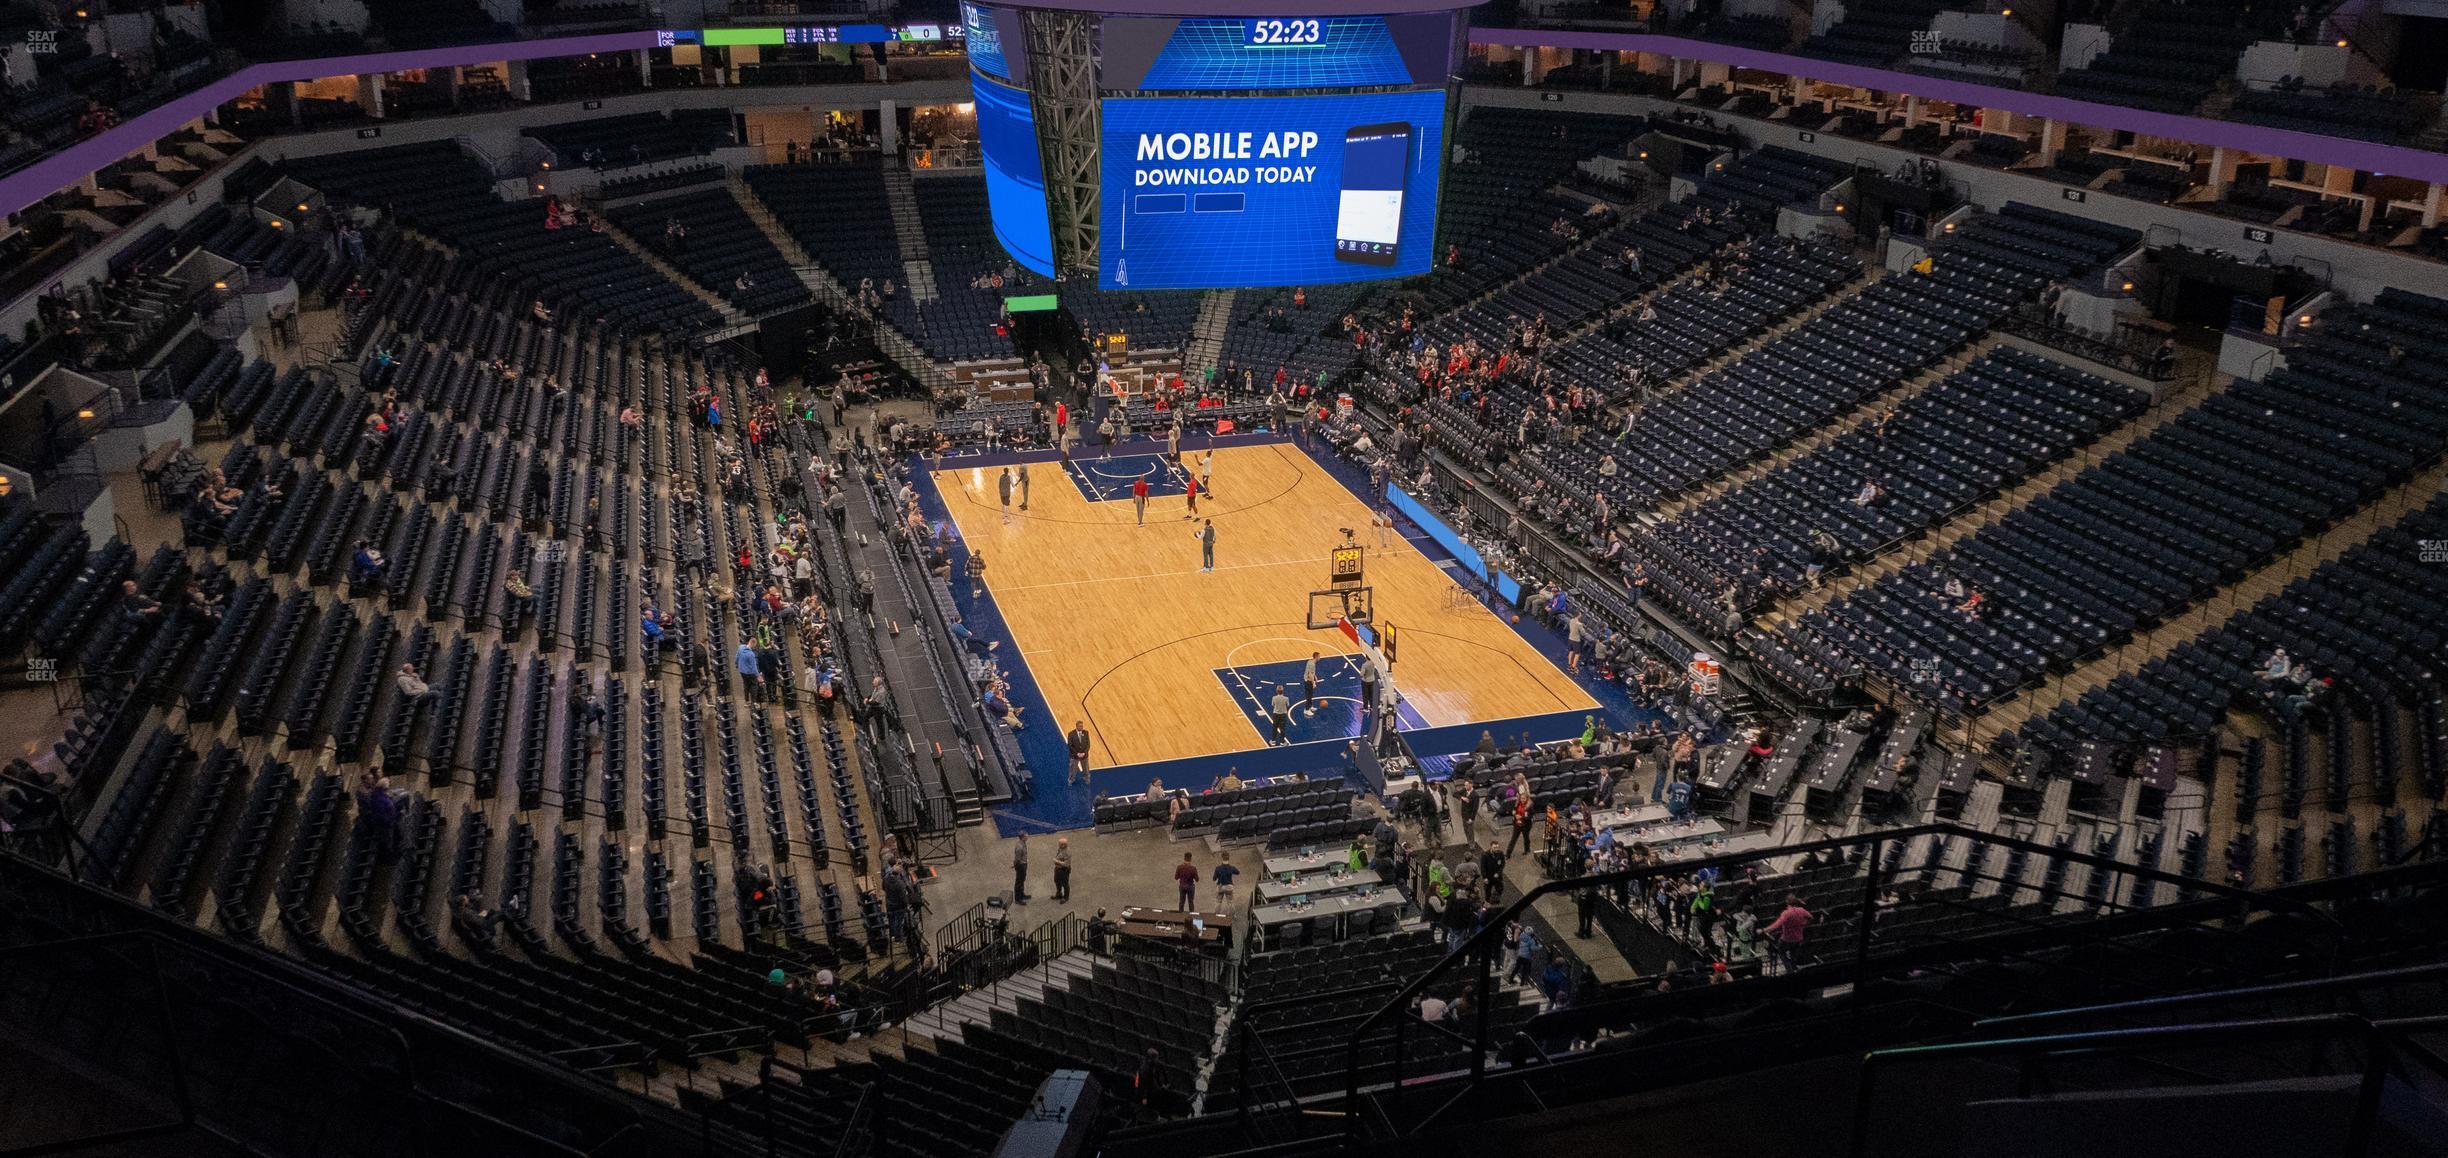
<point>909,228</point>
<point>1207,334</point>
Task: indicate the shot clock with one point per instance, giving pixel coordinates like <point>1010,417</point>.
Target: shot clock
<point>1284,33</point>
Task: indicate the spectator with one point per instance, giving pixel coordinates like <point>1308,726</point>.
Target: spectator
<point>413,686</point>
<point>1185,877</point>
<point>1786,932</point>
<point>1225,871</point>
<point>752,676</point>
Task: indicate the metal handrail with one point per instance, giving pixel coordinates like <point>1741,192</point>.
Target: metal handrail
<point>2034,1050</point>
<point>2308,987</point>
<point>1492,930</point>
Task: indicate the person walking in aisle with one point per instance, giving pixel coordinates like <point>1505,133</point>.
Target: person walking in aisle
<point>1784,935</point>
<point>1521,824</point>
<point>1206,538</point>
<point>1525,956</point>
<point>1309,683</point>
<point>1139,498</point>
<point>1078,742</point>
<point>1020,870</point>
<point>1225,871</point>
<point>1185,877</point>
<point>1279,714</point>
<point>752,675</point>
<point>1062,870</point>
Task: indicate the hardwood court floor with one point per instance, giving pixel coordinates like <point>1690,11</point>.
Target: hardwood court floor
<point>1120,628</point>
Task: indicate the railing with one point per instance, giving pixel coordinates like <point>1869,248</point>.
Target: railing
<point>287,1036</point>
<point>2032,1054</point>
<point>2121,350</point>
<point>1858,964</point>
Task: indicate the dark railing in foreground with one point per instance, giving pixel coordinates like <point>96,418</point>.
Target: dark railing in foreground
<point>283,1035</point>
<point>1860,963</point>
<point>2031,1055</point>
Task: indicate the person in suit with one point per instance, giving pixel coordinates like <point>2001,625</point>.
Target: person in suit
<point>1077,741</point>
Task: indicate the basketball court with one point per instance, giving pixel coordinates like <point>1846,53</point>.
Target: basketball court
<point>1117,625</point>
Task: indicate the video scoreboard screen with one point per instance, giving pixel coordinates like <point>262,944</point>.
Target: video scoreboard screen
<point>1260,191</point>
<point>1231,151</point>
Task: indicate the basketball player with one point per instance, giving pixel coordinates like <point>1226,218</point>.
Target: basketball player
<point>1309,683</point>
<point>1139,498</point>
<point>1207,472</point>
<point>1190,490</point>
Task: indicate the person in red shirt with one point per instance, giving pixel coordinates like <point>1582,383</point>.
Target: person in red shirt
<point>1190,491</point>
<point>1784,935</point>
<point>1185,875</point>
<point>1139,498</point>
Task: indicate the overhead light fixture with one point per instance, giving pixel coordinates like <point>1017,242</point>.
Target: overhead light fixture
<point>276,223</point>
<point>548,164</point>
<point>2127,287</point>
<point>220,285</point>
<point>7,484</point>
<point>2341,44</point>
<point>2304,320</point>
<point>85,412</point>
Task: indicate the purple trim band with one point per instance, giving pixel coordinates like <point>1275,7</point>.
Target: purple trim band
<point>74,163</point>
<point>2364,155</point>
<point>1242,7</point>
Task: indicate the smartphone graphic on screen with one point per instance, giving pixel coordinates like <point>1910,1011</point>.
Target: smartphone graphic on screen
<point>1376,165</point>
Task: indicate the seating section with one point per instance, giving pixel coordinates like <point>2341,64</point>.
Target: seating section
<point>965,322</point>
<point>2204,500</point>
<point>839,213</point>
<point>1875,35</point>
<point>1302,1045</point>
<point>1847,355</point>
<point>1982,430</point>
<point>1500,206</point>
<point>2367,622</point>
<point>1768,281</point>
<point>2170,59</point>
<point>722,249</point>
<point>1254,813</point>
<point>584,277</point>
<point>2361,111</point>
<point>607,142</point>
